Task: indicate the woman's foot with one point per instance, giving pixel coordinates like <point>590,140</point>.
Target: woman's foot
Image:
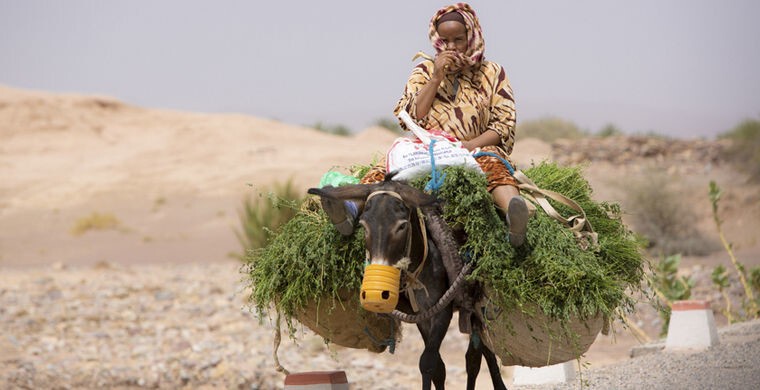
<point>517,220</point>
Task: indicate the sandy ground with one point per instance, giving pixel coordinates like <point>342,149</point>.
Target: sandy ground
<point>175,182</point>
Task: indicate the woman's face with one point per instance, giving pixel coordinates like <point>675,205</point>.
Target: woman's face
<point>454,36</point>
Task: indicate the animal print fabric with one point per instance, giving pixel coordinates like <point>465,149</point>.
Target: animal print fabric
<point>467,104</point>
<point>475,42</point>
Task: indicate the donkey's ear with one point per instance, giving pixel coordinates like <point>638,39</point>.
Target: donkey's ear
<point>416,198</point>
<point>357,192</point>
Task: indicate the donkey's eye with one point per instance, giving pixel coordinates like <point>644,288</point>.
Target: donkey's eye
<point>401,228</point>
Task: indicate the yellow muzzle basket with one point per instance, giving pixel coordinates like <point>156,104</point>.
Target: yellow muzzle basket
<point>380,285</point>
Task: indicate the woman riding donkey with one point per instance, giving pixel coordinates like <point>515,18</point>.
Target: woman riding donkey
<point>468,97</point>
<point>462,94</point>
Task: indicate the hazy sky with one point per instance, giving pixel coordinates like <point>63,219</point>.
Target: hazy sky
<point>677,67</point>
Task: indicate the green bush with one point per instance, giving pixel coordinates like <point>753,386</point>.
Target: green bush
<point>264,214</point>
<point>390,124</point>
<point>749,303</point>
<point>333,129</point>
<point>754,282</point>
<point>549,129</point>
<point>755,279</point>
<point>609,130</point>
<point>744,150</point>
<point>670,287</point>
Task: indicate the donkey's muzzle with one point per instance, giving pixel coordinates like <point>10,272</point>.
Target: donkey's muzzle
<point>379,291</point>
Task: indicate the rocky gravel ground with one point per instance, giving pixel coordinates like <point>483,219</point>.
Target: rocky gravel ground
<point>732,364</point>
<point>166,326</point>
<point>188,326</point>
<point>110,326</point>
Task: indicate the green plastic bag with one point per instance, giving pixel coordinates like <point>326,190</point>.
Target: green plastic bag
<point>336,179</point>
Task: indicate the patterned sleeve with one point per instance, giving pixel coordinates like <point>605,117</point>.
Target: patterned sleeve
<point>418,79</point>
<point>503,115</point>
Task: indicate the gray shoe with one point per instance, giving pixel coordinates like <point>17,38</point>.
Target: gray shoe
<point>517,221</point>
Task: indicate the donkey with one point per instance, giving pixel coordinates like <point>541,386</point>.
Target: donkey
<point>394,236</point>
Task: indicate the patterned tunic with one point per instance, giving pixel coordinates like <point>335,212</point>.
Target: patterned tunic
<point>466,106</point>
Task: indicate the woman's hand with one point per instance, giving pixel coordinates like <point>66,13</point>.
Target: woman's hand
<point>488,138</point>
<point>446,62</point>
<point>469,145</point>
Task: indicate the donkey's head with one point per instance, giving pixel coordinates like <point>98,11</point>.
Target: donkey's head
<point>387,221</point>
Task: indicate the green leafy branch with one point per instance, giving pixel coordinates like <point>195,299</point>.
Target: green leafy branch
<point>749,302</point>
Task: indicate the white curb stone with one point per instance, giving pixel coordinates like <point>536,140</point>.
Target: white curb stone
<point>692,326</point>
<point>556,373</point>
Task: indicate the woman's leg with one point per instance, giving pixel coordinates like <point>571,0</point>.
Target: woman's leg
<point>502,195</point>
<point>508,199</point>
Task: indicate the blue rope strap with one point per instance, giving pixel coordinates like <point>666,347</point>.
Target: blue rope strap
<point>436,178</point>
<point>491,154</point>
<point>389,342</point>
<point>475,340</point>
<point>351,208</point>
<point>467,256</point>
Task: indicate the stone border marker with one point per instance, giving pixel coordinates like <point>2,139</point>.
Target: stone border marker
<point>692,326</point>
<point>317,380</point>
<point>556,373</point>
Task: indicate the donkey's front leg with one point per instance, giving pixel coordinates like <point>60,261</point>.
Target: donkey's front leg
<point>433,331</point>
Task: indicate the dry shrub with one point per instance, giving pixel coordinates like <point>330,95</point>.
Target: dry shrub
<point>744,151</point>
<point>662,217</point>
<point>95,221</point>
<point>548,129</point>
<point>265,213</point>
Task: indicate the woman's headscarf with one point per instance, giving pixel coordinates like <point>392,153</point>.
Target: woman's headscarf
<point>475,44</point>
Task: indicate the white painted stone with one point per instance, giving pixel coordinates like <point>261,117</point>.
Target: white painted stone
<point>691,329</point>
<point>557,373</point>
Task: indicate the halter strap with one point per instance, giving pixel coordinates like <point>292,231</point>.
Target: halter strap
<point>412,283</point>
<point>384,192</point>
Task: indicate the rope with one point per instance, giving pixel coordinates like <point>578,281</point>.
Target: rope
<point>447,297</point>
<point>578,224</point>
<point>352,209</point>
<point>412,278</point>
<point>277,338</point>
<point>389,342</point>
<point>412,281</point>
<point>436,179</point>
<point>491,154</point>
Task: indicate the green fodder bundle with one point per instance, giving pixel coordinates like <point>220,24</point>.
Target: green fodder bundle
<point>311,273</point>
<point>545,302</point>
<point>552,272</point>
<point>308,261</point>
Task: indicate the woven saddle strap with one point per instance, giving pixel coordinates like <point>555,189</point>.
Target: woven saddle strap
<point>578,224</point>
